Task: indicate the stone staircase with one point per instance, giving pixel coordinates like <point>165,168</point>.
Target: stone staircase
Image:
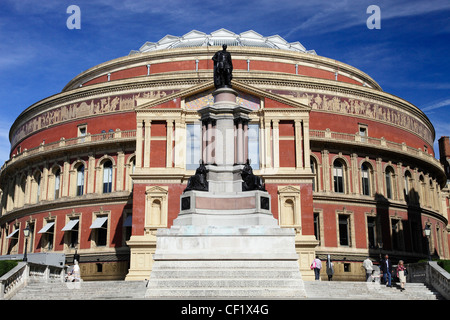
<point>135,290</point>
<point>225,279</point>
<point>346,290</point>
<point>86,290</point>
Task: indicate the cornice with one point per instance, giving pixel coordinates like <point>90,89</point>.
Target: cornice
<point>188,80</point>
<point>193,53</point>
<point>352,199</point>
<point>91,199</point>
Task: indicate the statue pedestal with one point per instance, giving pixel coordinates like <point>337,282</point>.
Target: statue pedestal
<point>225,241</point>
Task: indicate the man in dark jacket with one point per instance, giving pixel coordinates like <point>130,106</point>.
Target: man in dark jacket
<point>386,267</point>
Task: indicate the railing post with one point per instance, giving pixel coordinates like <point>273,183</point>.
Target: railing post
<point>2,290</point>
<point>47,273</point>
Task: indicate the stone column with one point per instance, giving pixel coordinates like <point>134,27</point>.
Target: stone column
<point>306,146</point>
<point>298,145</point>
<point>240,142</point>
<point>120,171</point>
<point>180,143</point>
<point>169,155</point>
<point>276,144</point>
<point>147,141</point>
<point>91,174</point>
<point>268,144</point>
<point>245,141</point>
<point>139,132</point>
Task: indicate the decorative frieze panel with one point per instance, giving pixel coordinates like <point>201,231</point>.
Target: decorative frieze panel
<point>90,107</point>
<point>360,108</point>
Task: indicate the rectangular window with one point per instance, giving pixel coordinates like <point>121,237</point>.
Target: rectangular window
<point>71,232</point>
<point>80,180</point>
<point>338,177</point>
<point>363,132</point>
<point>317,226</point>
<point>107,177</point>
<point>365,182</point>
<point>193,145</point>
<point>344,230</point>
<point>388,186</point>
<point>371,232</point>
<point>82,131</point>
<point>253,145</point>
<point>57,184</point>
<point>100,230</point>
<point>396,234</point>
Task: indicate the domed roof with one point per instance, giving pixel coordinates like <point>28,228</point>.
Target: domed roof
<point>196,38</point>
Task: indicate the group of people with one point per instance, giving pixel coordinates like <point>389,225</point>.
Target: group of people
<point>387,271</point>
<point>73,275</point>
<point>385,267</point>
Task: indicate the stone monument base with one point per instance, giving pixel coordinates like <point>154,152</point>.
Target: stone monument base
<point>252,262</point>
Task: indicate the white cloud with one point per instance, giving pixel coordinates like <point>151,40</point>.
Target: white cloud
<point>436,105</point>
<point>324,16</point>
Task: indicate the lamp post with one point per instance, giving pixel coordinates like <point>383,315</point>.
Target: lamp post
<point>26,233</point>
<point>427,232</point>
<point>380,246</point>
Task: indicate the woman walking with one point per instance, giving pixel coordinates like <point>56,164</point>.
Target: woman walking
<point>401,274</point>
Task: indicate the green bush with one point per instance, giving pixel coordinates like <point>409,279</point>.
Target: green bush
<point>7,265</point>
<point>445,264</point>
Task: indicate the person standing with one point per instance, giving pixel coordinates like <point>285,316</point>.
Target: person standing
<point>330,270</point>
<point>316,265</point>
<point>386,268</point>
<point>368,265</point>
<point>401,274</point>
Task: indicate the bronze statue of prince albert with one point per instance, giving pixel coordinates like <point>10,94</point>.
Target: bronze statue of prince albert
<point>223,68</point>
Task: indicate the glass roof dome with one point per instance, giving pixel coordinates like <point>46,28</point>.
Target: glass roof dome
<point>196,38</point>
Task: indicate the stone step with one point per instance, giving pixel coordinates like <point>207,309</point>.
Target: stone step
<point>82,290</point>
<point>226,273</point>
<point>368,291</point>
<point>134,290</point>
<point>217,293</point>
<point>225,265</point>
<point>224,283</point>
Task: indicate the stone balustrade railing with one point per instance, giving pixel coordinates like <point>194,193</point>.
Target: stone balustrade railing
<point>18,277</point>
<point>375,142</point>
<point>432,274</point>
<point>114,136</point>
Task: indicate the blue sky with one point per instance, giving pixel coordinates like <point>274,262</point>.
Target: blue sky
<point>408,56</point>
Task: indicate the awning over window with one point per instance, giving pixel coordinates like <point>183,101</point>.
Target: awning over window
<point>46,227</point>
<point>70,225</point>
<point>128,221</point>
<point>12,234</point>
<point>98,223</point>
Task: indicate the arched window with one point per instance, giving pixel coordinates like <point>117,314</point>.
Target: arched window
<point>338,176</point>
<point>422,191</point>
<point>37,180</point>
<point>365,179</point>
<point>408,186</point>
<point>57,188</point>
<point>389,178</point>
<point>80,180</point>
<point>107,177</point>
<point>313,164</point>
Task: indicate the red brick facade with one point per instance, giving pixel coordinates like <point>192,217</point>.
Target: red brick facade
<point>406,186</point>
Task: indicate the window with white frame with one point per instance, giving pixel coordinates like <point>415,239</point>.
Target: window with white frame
<point>107,176</point>
<point>253,145</point>
<point>80,180</point>
<point>193,145</point>
<point>338,176</point>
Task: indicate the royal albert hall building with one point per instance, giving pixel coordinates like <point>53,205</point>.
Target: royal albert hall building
<point>98,167</point>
